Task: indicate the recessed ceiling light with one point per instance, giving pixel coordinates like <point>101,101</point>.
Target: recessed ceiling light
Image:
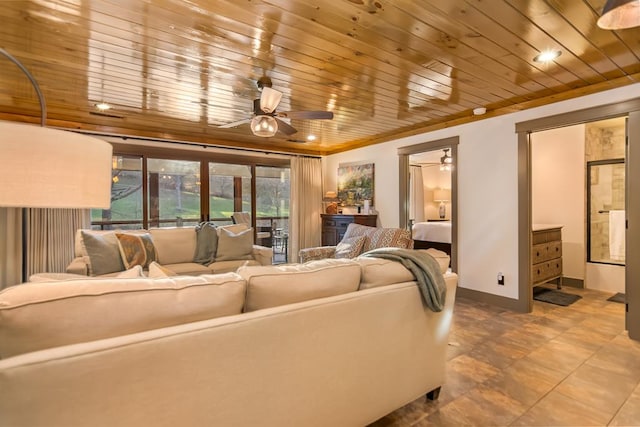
<point>102,106</point>
<point>547,56</point>
<point>479,111</point>
<point>311,137</point>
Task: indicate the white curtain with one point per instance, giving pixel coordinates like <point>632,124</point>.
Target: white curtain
<point>416,199</point>
<point>306,205</point>
<point>10,247</point>
<point>50,238</point>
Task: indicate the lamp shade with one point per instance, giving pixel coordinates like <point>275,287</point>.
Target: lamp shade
<point>620,14</point>
<point>441,195</point>
<point>49,168</point>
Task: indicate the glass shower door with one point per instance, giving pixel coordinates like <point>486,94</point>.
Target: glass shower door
<point>606,214</point>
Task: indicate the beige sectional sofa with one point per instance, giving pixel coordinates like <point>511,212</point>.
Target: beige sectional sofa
<point>174,248</point>
<point>332,342</point>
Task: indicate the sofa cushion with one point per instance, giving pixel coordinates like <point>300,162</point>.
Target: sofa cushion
<point>174,245</point>
<point>232,265</point>
<point>103,252</point>
<point>350,247</point>
<point>381,272</point>
<point>377,237</point>
<point>36,316</point>
<point>136,249</point>
<point>270,286</point>
<point>189,268</point>
<point>157,271</point>
<point>440,256</point>
<point>234,246</point>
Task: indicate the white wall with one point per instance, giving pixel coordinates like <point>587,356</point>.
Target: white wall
<point>487,187</point>
<point>558,190</point>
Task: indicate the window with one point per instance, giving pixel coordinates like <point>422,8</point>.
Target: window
<point>126,196</point>
<point>229,190</point>
<point>174,192</point>
<point>167,190</point>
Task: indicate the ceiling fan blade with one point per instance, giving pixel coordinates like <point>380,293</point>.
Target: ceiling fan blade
<point>285,127</point>
<point>307,115</point>
<point>269,99</point>
<point>234,124</point>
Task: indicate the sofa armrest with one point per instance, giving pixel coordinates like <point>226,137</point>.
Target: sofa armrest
<point>320,252</point>
<point>262,254</point>
<point>78,266</point>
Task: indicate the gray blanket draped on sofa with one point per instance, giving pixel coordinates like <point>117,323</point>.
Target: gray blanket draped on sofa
<point>424,268</point>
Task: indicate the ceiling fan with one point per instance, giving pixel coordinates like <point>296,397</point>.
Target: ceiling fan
<point>266,121</point>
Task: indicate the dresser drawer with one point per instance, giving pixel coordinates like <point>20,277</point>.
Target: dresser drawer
<point>545,252</point>
<point>546,271</point>
<point>327,222</point>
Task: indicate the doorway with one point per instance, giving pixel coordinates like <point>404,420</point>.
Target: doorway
<point>630,109</point>
<point>578,184</point>
<point>437,171</point>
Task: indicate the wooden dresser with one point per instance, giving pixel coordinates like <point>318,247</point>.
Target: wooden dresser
<point>546,254</point>
<point>334,226</point>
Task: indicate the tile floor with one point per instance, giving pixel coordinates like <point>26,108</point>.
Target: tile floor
<point>556,366</point>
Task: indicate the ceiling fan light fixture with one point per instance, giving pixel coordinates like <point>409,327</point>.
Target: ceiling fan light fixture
<point>446,161</point>
<point>264,126</point>
<point>269,99</point>
<point>620,14</point>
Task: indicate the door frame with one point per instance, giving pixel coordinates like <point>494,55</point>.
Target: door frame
<point>630,109</point>
<point>403,168</point>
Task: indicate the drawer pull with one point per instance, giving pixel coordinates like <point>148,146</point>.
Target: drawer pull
<point>538,253</point>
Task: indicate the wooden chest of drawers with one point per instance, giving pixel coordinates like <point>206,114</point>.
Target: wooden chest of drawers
<point>334,226</point>
<point>546,255</point>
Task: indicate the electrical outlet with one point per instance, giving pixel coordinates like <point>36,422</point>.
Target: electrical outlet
<point>500,279</point>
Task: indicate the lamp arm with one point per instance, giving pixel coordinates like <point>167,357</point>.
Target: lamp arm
<point>43,106</point>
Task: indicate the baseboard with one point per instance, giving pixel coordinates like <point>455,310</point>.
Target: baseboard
<point>570,282</point>
<point>497,300</point>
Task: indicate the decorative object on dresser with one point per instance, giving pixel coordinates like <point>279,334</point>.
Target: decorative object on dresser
<point>334,226</point>
<point>546,254</point>
<point>331,202</point>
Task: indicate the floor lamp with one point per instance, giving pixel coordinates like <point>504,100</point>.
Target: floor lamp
<point>42,167</point>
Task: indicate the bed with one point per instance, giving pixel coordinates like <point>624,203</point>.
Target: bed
<point>432,234</point>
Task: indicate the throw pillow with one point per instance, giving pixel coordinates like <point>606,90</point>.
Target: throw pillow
<point>132,273</point>
<point>157,271</point>
<point>103,253</point>
<point>136,249</point>
<point>350,247</point>
<point>234,246</point>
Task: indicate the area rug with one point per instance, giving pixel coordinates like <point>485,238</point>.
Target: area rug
<point>554,297</point>
<point>619,297</point>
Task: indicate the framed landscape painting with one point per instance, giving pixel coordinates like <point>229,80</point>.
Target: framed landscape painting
<point>355,184</point>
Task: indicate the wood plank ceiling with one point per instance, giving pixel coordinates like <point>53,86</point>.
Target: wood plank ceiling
<point>177,69</point>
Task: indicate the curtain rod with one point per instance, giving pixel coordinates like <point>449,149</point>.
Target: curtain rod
<point>194,144</point>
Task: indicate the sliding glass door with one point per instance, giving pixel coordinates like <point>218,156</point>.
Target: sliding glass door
<point>174,192</point>
<point>229,191</point>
